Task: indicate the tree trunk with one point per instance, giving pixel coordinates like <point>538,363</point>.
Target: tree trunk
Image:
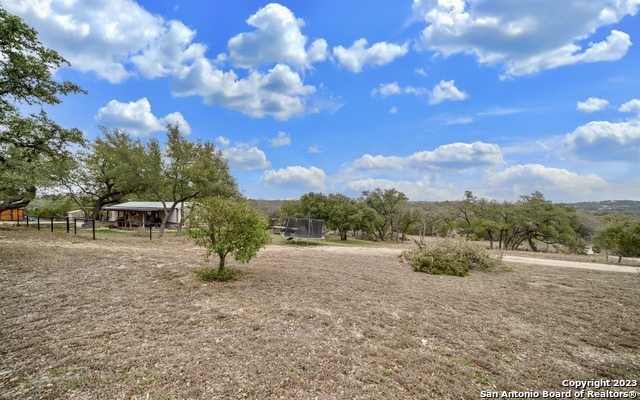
<point>167,214</point>
<point>619,259</point>
<point>221,265</point>
<point>343,235</point>
<point>532,245</point>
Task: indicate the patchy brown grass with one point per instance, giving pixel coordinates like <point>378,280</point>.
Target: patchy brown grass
<point>123,317</point>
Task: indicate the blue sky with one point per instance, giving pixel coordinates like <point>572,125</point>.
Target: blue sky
<point>431,97</point>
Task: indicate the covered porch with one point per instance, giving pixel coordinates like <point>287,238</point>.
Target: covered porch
<point>148,213</point>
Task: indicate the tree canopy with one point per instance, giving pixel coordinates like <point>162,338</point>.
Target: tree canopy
<point>108,169</point>
<point>224,226</point>
<point>621,237</point>
<point>183,171</point>
<point>31,146</point>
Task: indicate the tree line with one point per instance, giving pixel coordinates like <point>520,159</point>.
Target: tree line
<point>532,221</point>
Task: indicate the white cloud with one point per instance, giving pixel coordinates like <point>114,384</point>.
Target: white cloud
<point>393,110</point>
<point>420,71</point>
<point>223,141</point>
<point>453,157</point>
<point>592,104</point>
<point>119,39</point>
<point>283,139</point>
<point>524,37</point>
<point>279,93</point>
<point>459,121</point>
<point>458,156</point>
<point>243,156</point>
<point>604,141</point>
<point>415,191</point>
<point>277,39</point>
<point>314,149</point>
<point>110,38</point>
<point>631,106</point>
<point>294,177</point>
<point>560,185</point>
<point>446,91</point>
<point>369,162</point>
<point>358,55</point>
<point>136,117</point>
<point>388,89</point>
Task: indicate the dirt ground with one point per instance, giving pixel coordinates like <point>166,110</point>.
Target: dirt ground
<point>126,318</point>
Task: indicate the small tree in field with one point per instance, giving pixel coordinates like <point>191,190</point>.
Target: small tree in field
<point>224,227</point>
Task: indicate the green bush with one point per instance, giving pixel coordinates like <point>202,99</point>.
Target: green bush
<point>453,256</point>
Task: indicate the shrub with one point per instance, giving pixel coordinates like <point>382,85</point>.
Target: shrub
<point>453,256</point>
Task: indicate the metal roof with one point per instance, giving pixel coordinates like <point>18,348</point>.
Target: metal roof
<point>141,206</point>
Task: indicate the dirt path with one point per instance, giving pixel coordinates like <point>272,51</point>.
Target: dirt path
<point>570,264</point>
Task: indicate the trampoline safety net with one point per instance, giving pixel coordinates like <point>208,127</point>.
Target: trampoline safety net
<point>304,228</point>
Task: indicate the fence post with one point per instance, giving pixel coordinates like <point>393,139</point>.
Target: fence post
<point>38,222</point>
<point>27,221</point>
<point>51,224</point>
<point>93,228</point>
<point>75,232</point>
<point>67,224</point>
<point>150,227</point>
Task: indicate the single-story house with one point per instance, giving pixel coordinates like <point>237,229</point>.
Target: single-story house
<point>78,214</point>
<point>143,213</point>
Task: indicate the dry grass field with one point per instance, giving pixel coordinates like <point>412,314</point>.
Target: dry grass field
<point>125,318</point>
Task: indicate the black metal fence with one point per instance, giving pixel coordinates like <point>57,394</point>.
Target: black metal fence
<point>75,225</point>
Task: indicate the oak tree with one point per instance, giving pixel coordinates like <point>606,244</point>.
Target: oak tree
<point>31,146</point>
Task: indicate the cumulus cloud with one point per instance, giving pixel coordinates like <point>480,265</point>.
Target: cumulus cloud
<point>119,39</point>
<point>114,39</point>
<point>388,89</point>
<point>524,37</point>
<point>393,110</point>
<point>421,190</point>
<point>369,162</point>
<point>631,106</point>
<point>136,117</point>
<point>277,39</point>
<point>452,157</point>
<point>592,104</point>
<point>243,156</point>
<point>604,141</point>
<point>294,177</point>
<point>554,183</point>
<point>279,93</point>
<point>358,55</point>
<point>314,149</point>
<point>458,156</point>
<point>446,91</point>
<point>283,139</point>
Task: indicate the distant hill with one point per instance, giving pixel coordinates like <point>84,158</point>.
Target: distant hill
<point>608,206</point>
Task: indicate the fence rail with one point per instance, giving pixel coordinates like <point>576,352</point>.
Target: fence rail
<point>70,224</point>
